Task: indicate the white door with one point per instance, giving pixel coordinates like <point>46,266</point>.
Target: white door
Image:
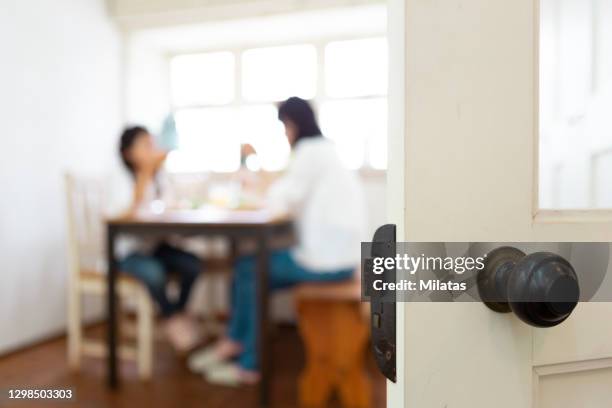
<point>463,166</point>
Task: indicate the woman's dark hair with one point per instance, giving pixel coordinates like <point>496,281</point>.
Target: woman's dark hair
<point>128,137</point>
<point>299,112</point>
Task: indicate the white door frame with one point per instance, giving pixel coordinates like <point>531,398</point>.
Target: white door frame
<point>579,343</point>
<point>395,190</point>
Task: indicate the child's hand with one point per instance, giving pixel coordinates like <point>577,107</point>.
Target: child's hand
<point>155,161</point>
<point>159,158</point>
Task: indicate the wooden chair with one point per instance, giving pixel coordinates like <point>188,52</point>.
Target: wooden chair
<point>87,271</point>
<point>335,332</point>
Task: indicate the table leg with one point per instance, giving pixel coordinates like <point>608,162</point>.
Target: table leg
<point>263,341</point>
<point>233,250</point>
<point>112,309</point>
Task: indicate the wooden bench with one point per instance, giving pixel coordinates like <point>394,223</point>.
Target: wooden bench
<point>334,327</point>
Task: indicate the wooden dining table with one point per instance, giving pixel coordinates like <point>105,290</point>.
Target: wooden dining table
<point>259,226</point>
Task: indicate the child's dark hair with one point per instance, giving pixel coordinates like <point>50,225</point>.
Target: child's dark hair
<point>300,112</point>
<point>128,137</point>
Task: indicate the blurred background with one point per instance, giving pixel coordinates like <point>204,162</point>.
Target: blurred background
<point>205,77</point>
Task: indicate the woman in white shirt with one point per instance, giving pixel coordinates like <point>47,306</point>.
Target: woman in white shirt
<point>327,203</point>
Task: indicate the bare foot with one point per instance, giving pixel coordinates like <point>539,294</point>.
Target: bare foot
<point>249,377</point>
<point>227,348</point>
<point>181,332</point>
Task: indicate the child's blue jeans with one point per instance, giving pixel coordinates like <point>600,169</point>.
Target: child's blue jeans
<point>153,271</point>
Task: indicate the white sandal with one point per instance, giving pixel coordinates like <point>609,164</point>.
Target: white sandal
<point>231,375</point>
<point>202,361</point>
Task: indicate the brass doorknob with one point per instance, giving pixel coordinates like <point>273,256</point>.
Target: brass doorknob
<point>541,288</point>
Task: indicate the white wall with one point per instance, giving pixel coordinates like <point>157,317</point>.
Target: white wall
<point>60,108</point>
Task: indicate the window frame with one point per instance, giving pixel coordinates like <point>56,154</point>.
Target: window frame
<point>320,98</point>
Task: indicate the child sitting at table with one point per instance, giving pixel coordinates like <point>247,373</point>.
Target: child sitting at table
<point>150,259</point>
<point>327,202</point>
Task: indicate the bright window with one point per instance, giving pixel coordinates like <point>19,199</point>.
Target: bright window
<point>209,139</point>
<point>202,79</point>
<point>276,73</point>
<point>356,68</point>
<point>220,105</point>
<point>260,127</point>
<point>359,128</point>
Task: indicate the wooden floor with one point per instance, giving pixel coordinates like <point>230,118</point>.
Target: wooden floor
<point>44,366</point>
